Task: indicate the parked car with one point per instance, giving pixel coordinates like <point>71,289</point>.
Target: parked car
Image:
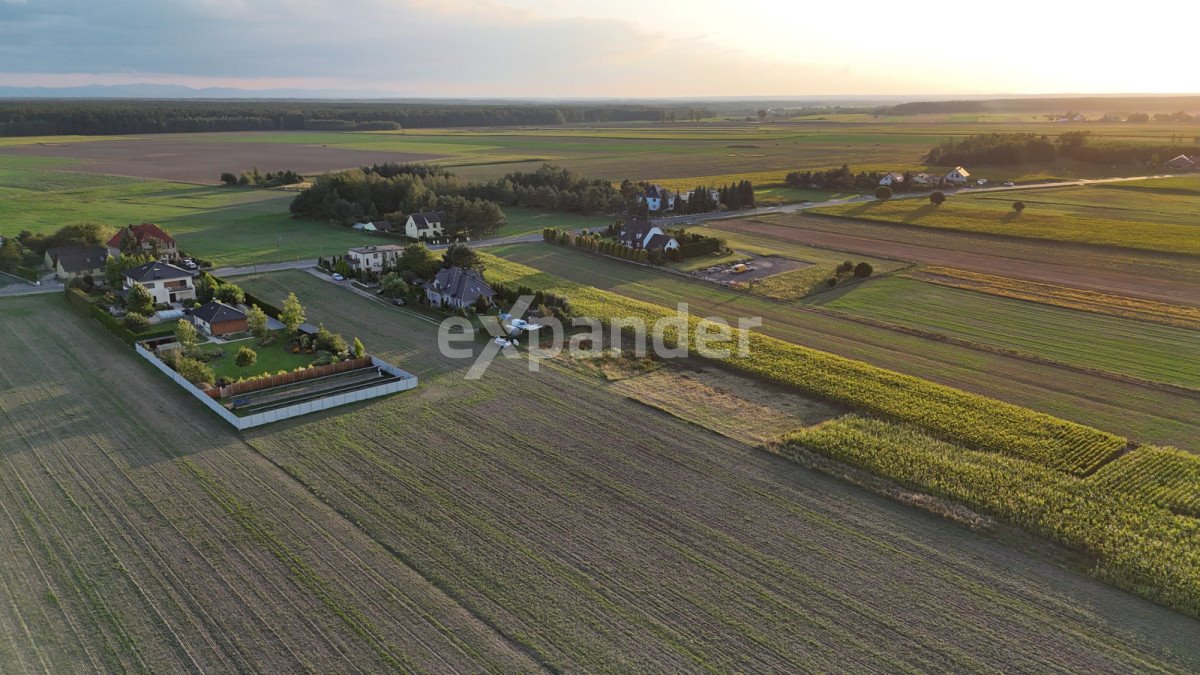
<point>338,277</point>
<point>1009,183</point>
<point>399,302</point>
<point>189,264</point>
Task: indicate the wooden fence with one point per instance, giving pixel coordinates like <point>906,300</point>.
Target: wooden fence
<point>288,378</point>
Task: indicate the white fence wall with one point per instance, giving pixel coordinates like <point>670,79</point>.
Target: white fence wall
<point>407,381</point>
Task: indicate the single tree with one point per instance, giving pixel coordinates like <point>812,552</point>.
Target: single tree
<point>186,335</point>
<point>417,260</point>
<point>1019,207</point>
<point>246,357</point>
<point>293,313</point>
<point>359,350</point>
<point>230,294</point>
<point>139,301</point>
<point>883,193</point>
<point>256,321</point>
<point>393,285</point>
<point>195,371</point>
<point>937,197</point>
<point>461,255</point>
<point>863,270</point>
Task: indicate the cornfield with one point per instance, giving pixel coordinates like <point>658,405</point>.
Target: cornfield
<point>1167,477</point>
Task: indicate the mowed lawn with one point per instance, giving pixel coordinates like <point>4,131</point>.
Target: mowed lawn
<point>1143,412</point>
<point>524,220</point>
<point>270,359</point>
<point>667,547</point>
<point>1113,344</point>
<point>1159,217</point>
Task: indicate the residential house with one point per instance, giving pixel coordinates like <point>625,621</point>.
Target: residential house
<point>167,283</point>
<point>425,225</point>
<point>892,178</point>
<point>373,258</point>
<point>639,234</point>
<point>1184,162</point>
<point>925,179</point>
<point>658,198</point>
<point>75,262</point>
<point>958,176</point>
<point>217,318</point>
<point>147,238</point>
<point>714,195</point>
<point>458,288</point>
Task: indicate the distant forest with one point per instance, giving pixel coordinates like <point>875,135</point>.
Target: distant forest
<point>1008,149</point>
<point>96,117</point>
<point>1037,105</point>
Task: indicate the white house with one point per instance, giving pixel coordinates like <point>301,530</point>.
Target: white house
<point>373,258</point>
<point>892,178</point>
<point>425,225</point>
<point>658,198</point>
<point>166,283</point>
<point>638,234</point>
<point>958,176</point>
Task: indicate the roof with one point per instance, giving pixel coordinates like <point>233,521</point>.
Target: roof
<point>462,284</point>
<point>1181,159</point>
<point>961,171</point>
<point>78,258</point>
<point>218,312</point>
<point>426,220</point>
<point>657,240</point>
<point>377,249</point>
<point>156,271</point>
<point>141,234</point>
<point>657,192</point>
<point>635,230</point>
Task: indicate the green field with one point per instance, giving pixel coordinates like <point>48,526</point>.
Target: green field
<point>1150,216</point>
<point>522,220</point>
<point>1148,414</point>
<point>1137,348</point>
<point>271,359</point>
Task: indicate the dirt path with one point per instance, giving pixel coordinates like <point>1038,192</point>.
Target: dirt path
<point>1165,278</point>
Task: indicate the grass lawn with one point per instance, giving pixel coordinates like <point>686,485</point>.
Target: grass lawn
<point>271,359</point>
<point>1157,218</point>
<point>523,220</point>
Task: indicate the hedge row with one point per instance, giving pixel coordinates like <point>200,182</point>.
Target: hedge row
<point>79,301</point>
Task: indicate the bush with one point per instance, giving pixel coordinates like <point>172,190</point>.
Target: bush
<point>863,270</point>
<point>1018,206</point>
<point>136,322</point>
<point>246,357</point>
<point>831,282</point>
<point>194,371</point>
<point>937,197</point>
<point>845,267</point>
<point>883,193</point>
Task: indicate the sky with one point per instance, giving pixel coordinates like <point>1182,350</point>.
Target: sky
<point>605,48</point>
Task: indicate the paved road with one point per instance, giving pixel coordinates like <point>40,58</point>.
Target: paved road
<point>804,206</point>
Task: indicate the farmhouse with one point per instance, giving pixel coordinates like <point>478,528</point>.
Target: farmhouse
<point>76,262</point>
<point>1184,162</point>
<point>658,198</point>
<point>892,178</point>
<point>145,238</point>
<point>217,318</point>
<point>167,283</point>
<point>639,234</point>
<point>373,258</point>
<point>958,176</point>
<point>425,225</point>
<point>459,288</point>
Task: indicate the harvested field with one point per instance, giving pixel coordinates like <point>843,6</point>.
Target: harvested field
<point>1143,412</point>
<point>142,534</point>
<point>671,548</point>
<point>1155,276</point>
<point>760,268</point>
<point>170,157</point>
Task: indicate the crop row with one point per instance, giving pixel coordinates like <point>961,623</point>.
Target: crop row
<point>1141,547</point>
<point>1164,476</point>
<point>969,419</point>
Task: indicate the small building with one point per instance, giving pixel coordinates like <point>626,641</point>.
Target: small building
<point>166,283</point>
<point>458,288</point>
<point>639,234</point>
<point>1184,162</point>
<point>76,262</point>
<point>217,318</point>
<point>425,225</point>
<point>892,178</point>
<point>925,179</point>
<point>365,227</point>
<point>658,198</point>
<point>373,258</point>
<point>958,176</point>
<point>146,238</point>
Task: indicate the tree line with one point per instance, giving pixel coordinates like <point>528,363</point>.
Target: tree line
<point>1019,148</point>
<point>255,178</point>
<point>839,179</point>
<point>1037,105</point>
<point>58,117</point>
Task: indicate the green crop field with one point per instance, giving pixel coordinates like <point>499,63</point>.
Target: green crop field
<point>1146,413</point>
<point>1114,344</point>
<point>1157,218</point>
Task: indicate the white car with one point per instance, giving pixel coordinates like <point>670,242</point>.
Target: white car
<point>1009,183</point>
<point>190,264</point>
<point>338,277</point>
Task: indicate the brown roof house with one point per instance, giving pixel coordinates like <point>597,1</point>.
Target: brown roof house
<point>145,238</point>
<point>75,262</point>
<point>459,288</point>
<point>218,318</point>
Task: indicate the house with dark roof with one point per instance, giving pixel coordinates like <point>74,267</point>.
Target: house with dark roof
<point>218,318</point>
<point>146,238</point>
<point>425,225</point>
<point>639,234</point>
<point>167,283</point>
<point>458,288</point>
<point>374,258</point>
<point>75,262</point>
<point>657,198</point>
